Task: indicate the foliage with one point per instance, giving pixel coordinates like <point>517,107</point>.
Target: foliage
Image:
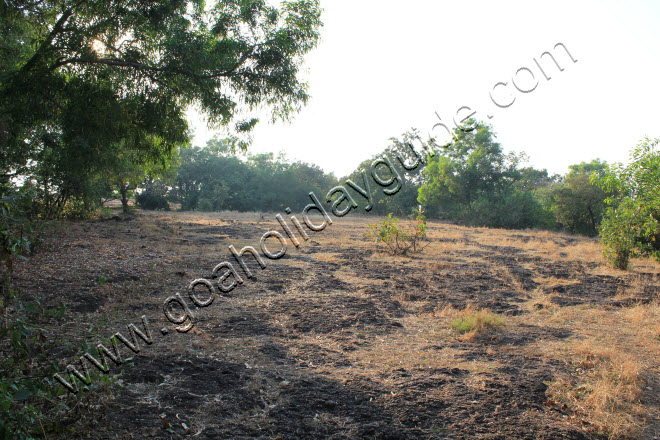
<point>471,180</point>
<point>472,166</point>
<point>129,172</point>
<point>579,205</point>
<point>89,87</point>
<point>399,240</point>
<point>22,392</point>
<point>405,200</point>
<point>214,179</point>
<point>514,209</point>
<point>631,225</point>
<point>205,205</point>
<point>152,202</point>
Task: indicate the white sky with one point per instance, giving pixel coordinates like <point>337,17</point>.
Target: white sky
<point>383,67</point>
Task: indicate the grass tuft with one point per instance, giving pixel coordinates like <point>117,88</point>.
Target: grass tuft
<point>477,322</point>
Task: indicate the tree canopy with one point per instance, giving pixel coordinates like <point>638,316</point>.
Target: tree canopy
<point>472,180</point>
<point>83,82</point>
<point>213,179</point>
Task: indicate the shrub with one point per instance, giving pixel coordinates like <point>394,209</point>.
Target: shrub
<point>23,393</point>
<point>513,210</point>
<point>205,205</point>
<point>399,240</point>
<point>77,209</point>
<point>631,226</point>
<point>629,231</point>
<point>149,201</point>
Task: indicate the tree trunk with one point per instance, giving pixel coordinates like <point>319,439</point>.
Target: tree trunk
<point>124,199</point>
<point>593,220</point>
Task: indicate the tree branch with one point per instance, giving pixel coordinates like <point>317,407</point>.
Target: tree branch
<point>147,67</point>
<point>49,40</point>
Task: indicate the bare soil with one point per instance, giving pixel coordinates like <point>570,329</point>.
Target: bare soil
<point>338,339</point>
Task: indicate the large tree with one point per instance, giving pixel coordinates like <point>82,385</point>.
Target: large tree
<point>460,173</point>
<point>80,78</point>
<point>473,181</point>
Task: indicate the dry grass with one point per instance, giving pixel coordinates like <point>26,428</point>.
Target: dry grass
<point>645,319</point>
<point>604,389</point>
<point>554,281</point>
<point>611,351</point>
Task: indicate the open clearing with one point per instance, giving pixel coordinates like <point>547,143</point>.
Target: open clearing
<point>339,340</point>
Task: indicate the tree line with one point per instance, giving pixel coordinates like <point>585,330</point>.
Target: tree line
<point>472,182</point>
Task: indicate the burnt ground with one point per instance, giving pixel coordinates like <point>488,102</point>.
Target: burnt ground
<point>338,339</point>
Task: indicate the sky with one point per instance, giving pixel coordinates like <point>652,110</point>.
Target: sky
<point>384,67</point>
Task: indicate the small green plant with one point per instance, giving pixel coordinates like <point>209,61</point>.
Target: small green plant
<point>399,240</point>
<point>23,392</point>
<point>102,280</point>
<point>477,321</point>
<point>77,209</point>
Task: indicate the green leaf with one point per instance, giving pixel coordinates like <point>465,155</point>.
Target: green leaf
<point>22,394</point>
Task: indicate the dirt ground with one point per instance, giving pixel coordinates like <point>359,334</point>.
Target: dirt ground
<point>340,340</point>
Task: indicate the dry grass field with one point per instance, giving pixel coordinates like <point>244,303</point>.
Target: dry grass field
<point>487,334</point>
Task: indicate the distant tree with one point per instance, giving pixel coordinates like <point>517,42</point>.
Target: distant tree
<point>77,77</point>
<point>473,181</point>
<point>214,179</point>
<point>412,149</point>
<point>580,205</point>
<point>213,175</point>
<point>531,179</point>
<point>472,166</point>
<point>128,170</point>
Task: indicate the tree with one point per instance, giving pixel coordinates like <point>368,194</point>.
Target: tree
<point>631,225</point>
<point>579,205</point>
<point>77,76</point>
<point>473,181</point>
<point>214,179</point>
<point>531,179</point>
<point>472,165</point>
<point>412,150</point>
<point>130,171</point>
<point>211,174</point>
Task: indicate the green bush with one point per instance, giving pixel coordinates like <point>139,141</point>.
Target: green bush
<point>514,210</point>
<point>631,225</point>
<point>77,209</point>
<point>152,202</point>
<point>629,231</point>
<point>23,394</point>
<point>205,205</point>
<point>399,240</point>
